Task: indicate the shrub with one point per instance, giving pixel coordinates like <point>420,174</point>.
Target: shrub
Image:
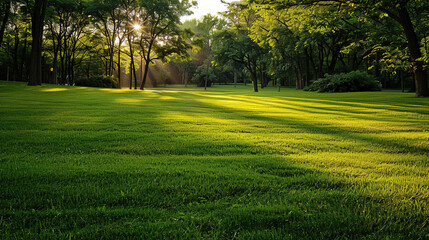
<point>199,77</point>
<point>97,81</point>
<point>355,81</point>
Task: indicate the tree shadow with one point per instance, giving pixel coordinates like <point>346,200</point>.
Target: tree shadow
<point>219,182</point>
<point>327,128</point>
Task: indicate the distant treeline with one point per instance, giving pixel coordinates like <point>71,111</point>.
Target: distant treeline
<point>280,43</point>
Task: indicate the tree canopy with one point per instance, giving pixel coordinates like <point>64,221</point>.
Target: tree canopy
<point>292,42</point>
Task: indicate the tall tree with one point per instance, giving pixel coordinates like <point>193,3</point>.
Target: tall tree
<point>15,40</point>
<point>66,27</point>
<point>37,24</point>
<point>5,9</point>
<point>398,10</point>
<point>240,49</point>
<point>234,44</point>
<point>312,40</point>
<point>161,35</point>
<point>108,18</point>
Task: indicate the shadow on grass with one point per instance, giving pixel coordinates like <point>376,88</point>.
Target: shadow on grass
<point>164,182</point>
<point>327,128</point>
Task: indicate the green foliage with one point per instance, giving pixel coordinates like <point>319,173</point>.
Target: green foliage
<point>355,81</point>
<point>97,81</point>
<point>199,77</point>
<point>353,28</point>
<point>202,31</point>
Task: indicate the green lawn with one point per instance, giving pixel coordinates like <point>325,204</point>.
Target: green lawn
<point>88,163</point>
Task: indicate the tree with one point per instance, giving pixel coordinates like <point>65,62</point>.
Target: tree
<point>397,10</point>
<point>37,24</point>
<point>107,18</point>
<point>202,39</point>
<point>234,44</point>
<point>161,35</point>
<point>310,40</point>
<point>5,10</point>
<point>15,41</point>
<point>67,23</point>
<point>240,49</point>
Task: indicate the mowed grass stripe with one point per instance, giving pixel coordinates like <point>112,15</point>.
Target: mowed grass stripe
<point>91,163</point>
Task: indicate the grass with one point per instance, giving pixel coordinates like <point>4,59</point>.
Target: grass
<point>88,163</point>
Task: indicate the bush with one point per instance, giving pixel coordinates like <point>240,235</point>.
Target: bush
<point>355,81</point>
<point>199,77</point>
<point>97,81</point>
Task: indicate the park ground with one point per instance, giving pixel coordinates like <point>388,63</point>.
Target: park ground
<point>226,163</point>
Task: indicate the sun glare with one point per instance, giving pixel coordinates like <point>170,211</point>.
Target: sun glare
<point>136,27</point>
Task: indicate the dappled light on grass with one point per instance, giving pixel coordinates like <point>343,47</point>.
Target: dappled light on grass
<point>216,164</point>
<point>113,90</point>
<point>54,89</point>
<point>117,90</point>
<point>128,101</point>
<point>167,98</point>
<point>167,90</point>
<point>353,119</point>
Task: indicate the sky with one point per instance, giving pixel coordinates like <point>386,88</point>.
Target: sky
<point>206,6</point>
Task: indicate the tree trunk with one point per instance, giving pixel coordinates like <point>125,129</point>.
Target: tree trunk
<point>116,24</point>
<point>253,70</point>
<point>23,76</point>
<point>110,68</point>
<point>63,75</point>
<point>37,20</point>
<point>255,81</point>
<point>44,77</point>
<point>298,78</point>
<point>131,76</point>
<point>73,63</point>
<point>141,68</point>
<point>146,67</point>
<point>55,66</point>
<point>321,57</point>
<point>261,77</point>
<point>56,48</point>
<point>313,65</point>
<point>69,70</point>
<point>6,9</point>
<point>106,67</point>
<point>64,61</point>
<point>135,75</point>
<point>88,67</point>
<point>119,65</point>
<point>133,67</point>
<point>235,77</point>
<point>146,70</point>
<point>333,63</point>
<point>377,67</point>
<point>308,76</point>
<point>420,74</point>
<point>15,57</point>
<point>186,77</point>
